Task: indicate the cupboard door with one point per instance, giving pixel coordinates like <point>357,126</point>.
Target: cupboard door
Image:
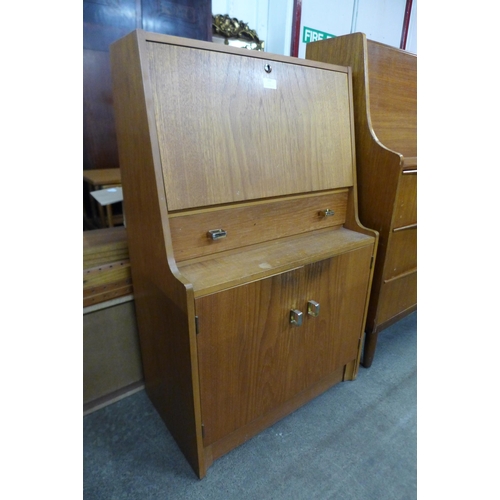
<point>246,348</point>
<point>252,359</point>
<point>331,339</point>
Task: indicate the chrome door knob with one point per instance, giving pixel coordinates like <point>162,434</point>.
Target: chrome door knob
<point>313,308</point>
<point>296,317</point>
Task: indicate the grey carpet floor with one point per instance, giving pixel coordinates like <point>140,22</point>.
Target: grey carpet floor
<point>356,441</point>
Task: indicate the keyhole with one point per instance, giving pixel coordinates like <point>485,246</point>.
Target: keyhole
<point>268,68</point>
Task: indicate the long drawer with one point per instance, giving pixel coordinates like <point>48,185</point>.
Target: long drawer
<point>249,224</point>
<point>401,256</point>
<point>405,210</point>
<point>396,296</point>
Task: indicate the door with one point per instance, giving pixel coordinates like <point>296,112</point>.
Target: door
<point>243,122</point>
<point>253,359</point>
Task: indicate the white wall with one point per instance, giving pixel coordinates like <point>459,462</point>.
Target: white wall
<point>279,32</point>
<point>380,20</point>
<point>329,16</point>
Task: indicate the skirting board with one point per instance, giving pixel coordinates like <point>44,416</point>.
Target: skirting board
<point>111,398</point>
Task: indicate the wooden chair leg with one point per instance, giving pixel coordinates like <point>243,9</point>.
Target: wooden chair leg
<point>109,212</point>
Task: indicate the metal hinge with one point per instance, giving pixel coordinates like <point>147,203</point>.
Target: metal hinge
<point>196,325</point>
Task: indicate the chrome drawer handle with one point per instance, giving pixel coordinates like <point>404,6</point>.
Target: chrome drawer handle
<point>216,234</point>
<point>326,213</point>
<point>296,317</point>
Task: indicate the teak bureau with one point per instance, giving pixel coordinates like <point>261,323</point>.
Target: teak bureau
<point>251,270</point>
<point>385,110</point>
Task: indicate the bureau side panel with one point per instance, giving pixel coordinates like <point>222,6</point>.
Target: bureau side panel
<point>164,305</point>
<point>393,96</point>
<point>242,133</point>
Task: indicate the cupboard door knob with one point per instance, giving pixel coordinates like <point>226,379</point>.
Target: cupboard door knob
<point>296,317</point>
<point>313,308</point>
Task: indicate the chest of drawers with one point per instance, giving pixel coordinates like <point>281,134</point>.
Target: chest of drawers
<point>251,270</point>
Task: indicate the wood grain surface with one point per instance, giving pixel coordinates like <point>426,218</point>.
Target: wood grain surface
<point>385,104</point>
<point>208,138</point>
<point>229,269</point>
<point>235,136</point>
<point>164,302</point>
<point>248,224</point>
<point>253,360</point>
<point>405,207</point>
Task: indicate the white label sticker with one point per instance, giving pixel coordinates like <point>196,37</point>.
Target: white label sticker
<point>269,83</point>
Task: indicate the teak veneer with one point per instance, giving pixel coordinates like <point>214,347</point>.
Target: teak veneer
<point>237,332</point>
<point>385,110</point>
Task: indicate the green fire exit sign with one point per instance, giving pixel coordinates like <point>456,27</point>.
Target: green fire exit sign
<point>311,35</point>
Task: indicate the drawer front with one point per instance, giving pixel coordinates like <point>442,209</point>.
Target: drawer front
<point>396,296</point>
<point>405,211</point>
<point>251,224</point>
<point>401,254</point>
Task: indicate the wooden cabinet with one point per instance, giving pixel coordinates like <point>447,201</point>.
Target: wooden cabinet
<point>251,270</point>
<point>252,360</point>
<point>385,110</point>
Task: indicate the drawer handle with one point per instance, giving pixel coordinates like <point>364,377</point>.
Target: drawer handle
<point>296,317</point>
<point>326,213</point>
<point>216,234</point>
<point>404,228</point>
<point>313,308</point>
